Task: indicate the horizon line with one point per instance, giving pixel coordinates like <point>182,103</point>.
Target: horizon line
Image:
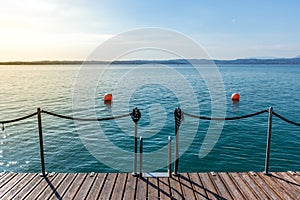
<point>143,60</point>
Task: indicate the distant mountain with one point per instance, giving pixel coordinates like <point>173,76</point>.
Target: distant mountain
<point>253,61</point>
<point>264,57</point>
<point>248,61</point>
<point>42,62</point>
<point>291,61</point>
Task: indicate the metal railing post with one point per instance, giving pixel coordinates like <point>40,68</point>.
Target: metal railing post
<point>268,142</point>
<point>169,156</point>
<point>141,156</point>
<point>135,151</point>
<point>177,115</point>
<point>135,115</point>
<point>176,152</point>
<point>41,142</point>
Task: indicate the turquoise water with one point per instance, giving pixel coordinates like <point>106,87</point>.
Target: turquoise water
<point>240,147</point>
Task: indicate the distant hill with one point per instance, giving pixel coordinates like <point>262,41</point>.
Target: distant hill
<point>248,61</point>
<point>42,62</point>
<point>254,61</point>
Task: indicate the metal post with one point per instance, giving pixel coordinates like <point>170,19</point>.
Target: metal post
<point>135,115</point>
<point>41,142</point>
<point>135,151</point>
<point>268,142</point>
<point>141,156</point>
<point>177,115</point>
<point>176,151</point>
<point>169,156</point>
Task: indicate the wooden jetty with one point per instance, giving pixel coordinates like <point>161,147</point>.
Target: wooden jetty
<point>222,185</point>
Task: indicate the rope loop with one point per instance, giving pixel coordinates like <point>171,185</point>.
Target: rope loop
<point>178,116</point>
<point>135,115</point>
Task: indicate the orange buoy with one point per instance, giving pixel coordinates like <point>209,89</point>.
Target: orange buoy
<point>108,97</point>
<point>235,97</point>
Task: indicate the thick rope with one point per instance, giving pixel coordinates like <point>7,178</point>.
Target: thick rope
<point>18,119</point>
<point>84,119</point>
<point>225,118</point>
<point>286,120</point>
<point>125,115</point>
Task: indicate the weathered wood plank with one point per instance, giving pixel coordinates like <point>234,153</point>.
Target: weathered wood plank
<point>28,187</point>
<point>18,187</point>
<point>74,187</point>
<point>164,188</point>
<point>3,174</point>
<point>52,187</point>
<point>264,187</point>
<point>243,187</point>
<point>198,188</point>
<point>108,186</point>
<point>141,188</point>
<point>285,185</point>
<point>62,188</point>
<point>7,179</point>
<point>97,186</point>
<point>186,186</point>
<point>119,186</point>
<point>220,187</point>
<point>295,177</point>
<point>276,187</point>
<point>254,185</point>
<point>131,185</point>
<point>40,187</point>
<point>209,186</point>
<point>176,191</point>
<point>291,181</point>
<point>152,188</point>
<point>85,188</point>
<point>231,187</point>
<point>13,182</point>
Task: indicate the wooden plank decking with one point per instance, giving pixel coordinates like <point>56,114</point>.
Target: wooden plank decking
<point>278,185</point>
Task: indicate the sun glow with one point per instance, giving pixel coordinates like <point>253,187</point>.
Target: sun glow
<point>42,30</point>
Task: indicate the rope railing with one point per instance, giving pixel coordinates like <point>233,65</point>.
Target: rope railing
<point>136,115</point>
<point>285,119</point>
<point>128,114</point>
<point>179,114</point>
<point>18,119</point>
<point>224,118</point>
<point>84,119</point>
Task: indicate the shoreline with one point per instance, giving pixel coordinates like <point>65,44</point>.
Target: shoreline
<point>254,61</point>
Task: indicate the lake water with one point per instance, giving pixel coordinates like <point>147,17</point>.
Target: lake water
<point>107,146</point>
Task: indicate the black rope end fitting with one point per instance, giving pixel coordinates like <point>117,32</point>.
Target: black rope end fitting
<point>178,116</point>
<point>3,127</point>
<point>135,115</point>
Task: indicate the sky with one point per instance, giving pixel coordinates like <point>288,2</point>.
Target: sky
<point>72,29</point>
